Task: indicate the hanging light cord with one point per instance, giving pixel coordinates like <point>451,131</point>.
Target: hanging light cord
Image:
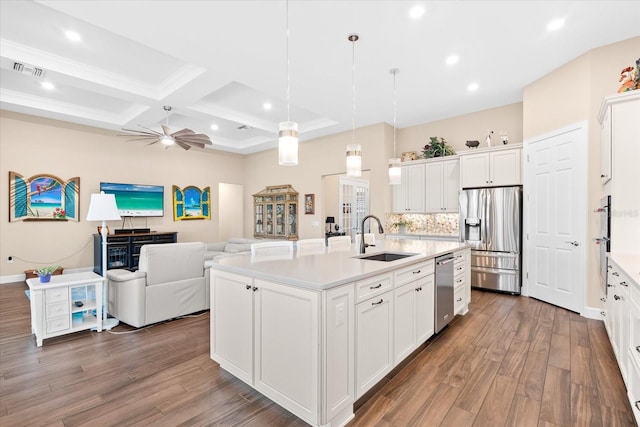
<point>288,65</point>
<point>395,96</point>
<point>353,39</point>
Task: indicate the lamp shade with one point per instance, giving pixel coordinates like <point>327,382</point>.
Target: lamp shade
<point>354,160</point>
<point>330,220</point>
<point>102,207</point>
<point>288,144</point>
<point>395,171</point>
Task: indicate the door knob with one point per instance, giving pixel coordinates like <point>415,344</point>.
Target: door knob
<point>574,243</point>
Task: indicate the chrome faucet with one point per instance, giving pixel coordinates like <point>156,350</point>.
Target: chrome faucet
<point>363,245</point>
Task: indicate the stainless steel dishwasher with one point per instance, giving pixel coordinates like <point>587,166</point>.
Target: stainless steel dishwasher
<point>444,291</point>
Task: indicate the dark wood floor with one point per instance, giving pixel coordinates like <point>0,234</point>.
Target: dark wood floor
<point>511,361</point>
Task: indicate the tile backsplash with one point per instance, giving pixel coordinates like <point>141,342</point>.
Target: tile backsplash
<point>434,224</point>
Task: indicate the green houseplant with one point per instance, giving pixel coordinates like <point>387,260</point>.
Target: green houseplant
<point>437,147</point>
<point>44,273</point>
<point>402,225</point>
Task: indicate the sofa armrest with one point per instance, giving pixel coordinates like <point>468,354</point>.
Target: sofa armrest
<point>127,296</point>
<point>120,275</point>
<point>215,247</point>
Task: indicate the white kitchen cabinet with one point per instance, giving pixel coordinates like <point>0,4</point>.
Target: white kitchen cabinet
<point>618,311</point>
<point>409,195</point>
<point>442,185</point>
<point>462,281</point>
<point>495,167</point>
<point>374,341</point>
<point>605,145</point>
<point>413,316</point>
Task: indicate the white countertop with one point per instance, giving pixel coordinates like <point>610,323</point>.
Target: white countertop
<point>629,263</point>
<point>423,236</point>
<point>332,268</point>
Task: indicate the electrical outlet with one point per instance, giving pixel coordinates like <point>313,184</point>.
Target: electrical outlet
<point>9,259</point>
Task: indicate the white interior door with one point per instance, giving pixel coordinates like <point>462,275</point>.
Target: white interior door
<point>229,210</point>
<point>555,216</point>
<point>353,205</point>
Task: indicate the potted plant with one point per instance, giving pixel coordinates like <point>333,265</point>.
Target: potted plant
<point>44,273</point>
<point>437,147</point>
<point>402,225</point>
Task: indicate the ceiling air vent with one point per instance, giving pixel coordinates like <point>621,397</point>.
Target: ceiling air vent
<point>30,70</point>
<point>244,127</point>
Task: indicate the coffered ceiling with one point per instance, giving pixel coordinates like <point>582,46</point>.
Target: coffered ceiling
<point>218,62</point>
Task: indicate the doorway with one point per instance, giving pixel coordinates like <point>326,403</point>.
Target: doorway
<point>555,216</point>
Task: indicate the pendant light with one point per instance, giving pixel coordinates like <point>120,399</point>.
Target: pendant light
<point>354,151</point>
<point>395,171</point>
<point>288,131</point>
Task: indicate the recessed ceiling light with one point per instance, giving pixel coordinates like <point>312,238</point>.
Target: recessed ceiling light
<point>473,87</point>
<point>73,36</point>
<point>214,127</point>
<point>47,85</point>
<point>267,106</point>
<point>416,12</point>
<point>556,24</point>
<point>452,59</point>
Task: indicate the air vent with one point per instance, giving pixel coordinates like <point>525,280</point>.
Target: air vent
<point>244,127</point>
<point>30,70</point>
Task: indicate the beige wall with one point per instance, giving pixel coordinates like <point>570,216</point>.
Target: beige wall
<point>30,146</point>
<point>469,127</point>
<point>572,93</point>
<point>317,158</point>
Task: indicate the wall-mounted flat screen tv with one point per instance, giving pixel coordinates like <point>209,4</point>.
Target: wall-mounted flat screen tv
<point>136,199</point>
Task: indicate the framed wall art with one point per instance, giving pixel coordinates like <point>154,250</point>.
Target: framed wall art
<point>309,204</point>
<point>43,197</point>
<point>191,203</point>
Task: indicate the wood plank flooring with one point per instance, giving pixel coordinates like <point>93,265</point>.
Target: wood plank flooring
<point>511,361</point>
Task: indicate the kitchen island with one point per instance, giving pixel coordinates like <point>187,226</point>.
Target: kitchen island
<point>314,332</point>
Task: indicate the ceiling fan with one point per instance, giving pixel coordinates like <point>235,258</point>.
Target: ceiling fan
<point>185,138</point>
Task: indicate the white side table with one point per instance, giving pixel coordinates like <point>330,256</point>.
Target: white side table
<point>68,303</point>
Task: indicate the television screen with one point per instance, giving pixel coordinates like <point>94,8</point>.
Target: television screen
<point>136,199</point>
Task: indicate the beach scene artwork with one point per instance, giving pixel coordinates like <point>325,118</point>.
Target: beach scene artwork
<point>43,197</point>
<point>191,203</point>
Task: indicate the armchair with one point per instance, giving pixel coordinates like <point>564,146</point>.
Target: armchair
<point>171,281</point>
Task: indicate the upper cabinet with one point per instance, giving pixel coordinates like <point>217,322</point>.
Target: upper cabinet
<point>605,144</point>
<point>442,186</point>
<point>491,167</point>
<point>408,196</point>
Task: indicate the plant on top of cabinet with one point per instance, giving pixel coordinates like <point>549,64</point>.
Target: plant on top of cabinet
<point>437,147</point>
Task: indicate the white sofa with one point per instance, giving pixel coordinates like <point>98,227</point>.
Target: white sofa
<point>233,246</point>
<point>171,281</point>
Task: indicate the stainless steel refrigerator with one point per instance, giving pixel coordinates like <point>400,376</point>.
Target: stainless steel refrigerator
<point>491,223</point>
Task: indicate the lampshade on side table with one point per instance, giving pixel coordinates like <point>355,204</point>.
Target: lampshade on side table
<point>102,207</point>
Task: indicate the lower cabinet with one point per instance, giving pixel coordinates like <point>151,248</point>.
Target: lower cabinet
<point>374,341</point>
<point>413,316</point>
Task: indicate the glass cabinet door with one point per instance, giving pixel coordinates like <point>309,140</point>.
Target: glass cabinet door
<point>293,215</point>
<point>259,220</point>
<point>280,230</point>
<point>269,220</point>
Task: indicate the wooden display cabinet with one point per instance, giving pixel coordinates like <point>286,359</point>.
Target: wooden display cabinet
<point>275,212</point>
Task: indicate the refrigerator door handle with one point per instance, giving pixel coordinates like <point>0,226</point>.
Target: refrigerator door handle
<point>495,270</point>
<point>446,261</point>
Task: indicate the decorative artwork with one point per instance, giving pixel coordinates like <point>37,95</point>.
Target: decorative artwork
<point>191,203</point>
<point>43,197</point>
<point>309,204</point>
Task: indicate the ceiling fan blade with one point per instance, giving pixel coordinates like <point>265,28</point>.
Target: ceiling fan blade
<point>192,143</point>
<point>153,142</point>
<point>183,132</point>
<point>138,132</point>
<point>166,130</point>
<point>143,138</point>
<point>183,145</point>
<point>155,132</point>
<point>196,137</point>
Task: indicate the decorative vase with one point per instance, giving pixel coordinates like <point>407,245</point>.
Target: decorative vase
<point>45,279</point>
<point>402,229</point>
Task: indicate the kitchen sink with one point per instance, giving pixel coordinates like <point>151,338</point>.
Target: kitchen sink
<point>386,256</point>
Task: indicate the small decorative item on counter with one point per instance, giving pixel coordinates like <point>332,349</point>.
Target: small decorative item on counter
<point>60,213</point>
<point>630,78</point>
<point>402,225</point>
<point>44,273</point>
<point>437,147</point>
<point>488,138</point>
<point>472,144</point>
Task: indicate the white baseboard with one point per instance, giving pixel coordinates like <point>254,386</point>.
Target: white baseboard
<point>21,277</point>
<point>592,313</point>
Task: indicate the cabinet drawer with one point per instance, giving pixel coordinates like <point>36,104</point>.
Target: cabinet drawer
<point>57,309</point>
<point>55,295</point>
<point>458,300</point>
<point>634,333</point>
<point>458,281</point>
<point>413,272</point>
<point>633,290</point>
<point>56,324</point>
<point>142,239</point>
<point>373,286</point>
<point>165,238</point>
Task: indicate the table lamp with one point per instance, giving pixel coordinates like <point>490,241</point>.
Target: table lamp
<point>102,207</point>
<point>330,220</point>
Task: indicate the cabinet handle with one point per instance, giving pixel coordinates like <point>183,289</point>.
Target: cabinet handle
<point>459,299</point>
<point>603,299</point>
<point>602,176</point>
<point>638,348</point>
<point>458,256</point>
<point>616,297</point>
<point>378,286</point>
<point>419,289</point>
<point>615,273</point>
<point>603,313</point>
<point>459,281</point>
<point>459,268</point>
<point>248,287</point>
<point>416,272</point>
<point>638,404</point>
<point>255,289</point>
<point>624,284</point>
<point>378,303</point>
<point>609,286</point>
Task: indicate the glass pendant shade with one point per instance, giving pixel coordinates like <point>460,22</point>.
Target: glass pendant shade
<point>354,160</point>
<point>394,171</point>
<point>288,144</point>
